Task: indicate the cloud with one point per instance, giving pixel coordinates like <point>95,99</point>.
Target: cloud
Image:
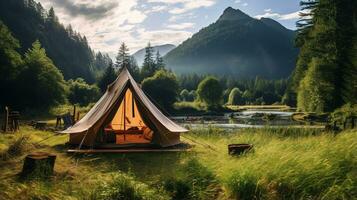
<point>245,4</point>
<point>87,9</point>
<point>183,6</point>
<point>269,14</point>
<point>237,1</point>
<point>181,26</point>
<point>267,10</point>
<point>159,8</point>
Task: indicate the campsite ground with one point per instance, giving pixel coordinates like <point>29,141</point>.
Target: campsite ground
<point>286,163</point>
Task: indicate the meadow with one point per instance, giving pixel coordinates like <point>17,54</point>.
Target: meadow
<point>285,163</point>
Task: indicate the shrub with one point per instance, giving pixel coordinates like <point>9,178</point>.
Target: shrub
<point>235,97</point>
<point>184,95</point>
<point>162,87</point>
<point>82,93</point>
<point>210,92</point>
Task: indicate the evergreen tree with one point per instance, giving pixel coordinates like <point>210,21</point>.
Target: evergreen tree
<point>42,83</point>
<point>159,61</point>
<point>123,57</point>
<point>108,77</point>
<point>10,65</point>
<point>325,74</point>
<point>149,67</point>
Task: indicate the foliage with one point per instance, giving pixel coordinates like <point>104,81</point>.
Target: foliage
<point>101,62</point>
<point>257,90</point>
<point>210,92</point>
<point>68,50</point>
<point>10,65</point>
<point>42,84</point>
<point>148,69</point>
<point>235,97</point>
<point>162,88</point>
<point>343,113</point>
<point>185,95</point>
<point>107,78</point>
<point>82,93</point>
<point>325,74</point>
<point>124,60</point>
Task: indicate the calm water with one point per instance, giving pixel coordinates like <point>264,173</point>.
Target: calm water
<point>245,119</point>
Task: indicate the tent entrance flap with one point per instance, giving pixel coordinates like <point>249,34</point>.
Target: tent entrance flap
<point>127,123</point>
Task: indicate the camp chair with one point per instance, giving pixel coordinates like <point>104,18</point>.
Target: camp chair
<point>67,120</point>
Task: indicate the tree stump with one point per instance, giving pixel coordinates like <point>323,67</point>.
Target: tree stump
<point>38,165</point>
<point>238,149</point>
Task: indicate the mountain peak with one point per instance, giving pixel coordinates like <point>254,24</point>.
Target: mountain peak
<point>233,14</point>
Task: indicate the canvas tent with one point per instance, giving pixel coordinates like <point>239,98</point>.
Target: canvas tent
<point>125,115</point>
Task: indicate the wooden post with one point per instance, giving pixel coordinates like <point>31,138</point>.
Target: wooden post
<point>6,118</point>
<point>74,115</point>
<point>78,115</point>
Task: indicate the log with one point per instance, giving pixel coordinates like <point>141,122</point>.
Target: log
<point>38,165</point>
<point>238,149</point>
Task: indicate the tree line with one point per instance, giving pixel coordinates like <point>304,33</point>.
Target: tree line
<point>325,76</point>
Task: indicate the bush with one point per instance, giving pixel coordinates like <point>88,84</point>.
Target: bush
<point>210,92</point>
<point>235,97</point>
<point>82,93</point>
<point>184,95</point>
<point>162,88</point>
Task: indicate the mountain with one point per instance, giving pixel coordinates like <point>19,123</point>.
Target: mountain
<point>237,45</point>
<point>29,21</point>
<point>163,49</point>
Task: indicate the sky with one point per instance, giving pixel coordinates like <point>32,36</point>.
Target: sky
<point>108,23</point>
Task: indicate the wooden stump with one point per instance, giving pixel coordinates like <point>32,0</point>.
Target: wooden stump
<point>40,125</point>
<point>238,149</point>
<point>38,165</point>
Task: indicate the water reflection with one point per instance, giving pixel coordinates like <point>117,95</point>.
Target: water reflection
<point>244,119</point>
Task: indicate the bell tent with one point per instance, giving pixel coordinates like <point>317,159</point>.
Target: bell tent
<point>124,116</point>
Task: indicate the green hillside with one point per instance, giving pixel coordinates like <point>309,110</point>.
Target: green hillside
<point>239,45</point>
<point>29,21</point>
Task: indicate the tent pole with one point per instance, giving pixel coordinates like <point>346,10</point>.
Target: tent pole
<point>124,107</point>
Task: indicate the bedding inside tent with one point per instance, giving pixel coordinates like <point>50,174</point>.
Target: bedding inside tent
<point>127,123</point>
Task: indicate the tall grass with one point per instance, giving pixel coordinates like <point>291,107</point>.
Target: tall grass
<point>124,187</point>
<point>285,164</point>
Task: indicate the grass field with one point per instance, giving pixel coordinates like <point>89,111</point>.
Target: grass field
<point>285,164</point>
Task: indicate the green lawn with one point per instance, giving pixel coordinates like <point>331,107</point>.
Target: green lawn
<point>286,163</point>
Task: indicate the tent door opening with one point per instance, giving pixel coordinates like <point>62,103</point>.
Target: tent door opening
<point>127,125</point>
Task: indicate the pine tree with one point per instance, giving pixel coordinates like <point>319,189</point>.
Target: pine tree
<point>159,61</point>
<point>108,77</point>
<point>123,57</point>
<point>148,68</point>
<point>10,65</point>
<point>51,17</point>
<point>43,84</point>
